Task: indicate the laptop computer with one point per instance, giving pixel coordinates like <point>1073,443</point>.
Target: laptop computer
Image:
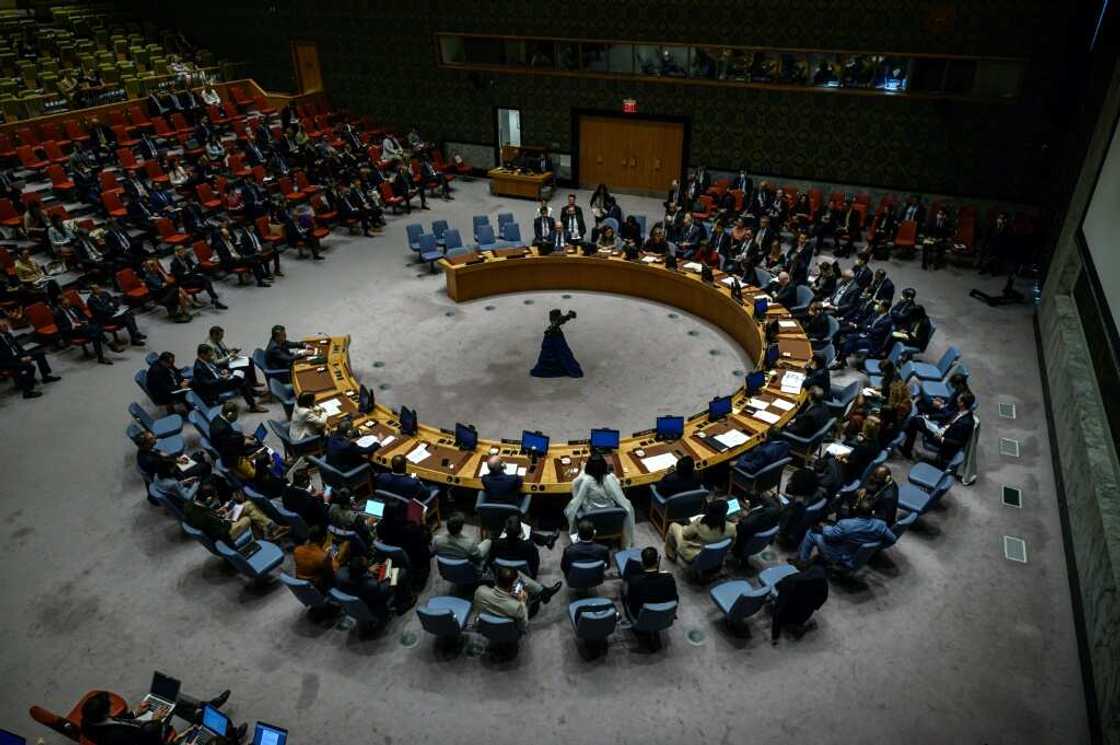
<point>214,724</point>
<point>8,738</point>
<point>269,734</point>
<point>733,507</point>
<point>161,697</point>
<point>261,433</point>
<point>374,508</point>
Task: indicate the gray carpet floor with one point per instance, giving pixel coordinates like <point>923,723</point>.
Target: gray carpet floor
<point>943,640</point>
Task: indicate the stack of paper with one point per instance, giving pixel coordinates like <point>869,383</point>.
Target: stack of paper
<point>510,468</point>
<point>731,438</point>
<point>659,462</point>
<point>791,382</point>
<point>782,404</point>
<point>420,453</point>
<point>767,416</point>
<point>837,449</point>
<point>757,403</point>
<point>729,281</point>
<point>649,259</point>
<point>388,440</point>
<point>367,441</point>
<point>239,361</point>
<point>787,324</point>
<point>331,407</point>
<point>692,266</point>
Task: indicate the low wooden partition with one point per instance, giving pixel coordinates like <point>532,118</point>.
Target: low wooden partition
<point>434,456</point>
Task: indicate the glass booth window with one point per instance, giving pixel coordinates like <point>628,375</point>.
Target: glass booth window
<point>764,67</point>
<point>613,58</point>
<point>795,69</point>
<point>484,51</point>
<point>826,70</point>
<point>661,61</point>
<point>451,50</point>
<point>567,55</point>
<point>541,53</point>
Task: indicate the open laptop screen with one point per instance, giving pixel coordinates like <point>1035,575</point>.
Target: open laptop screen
<point>267,734</point>
<point>215,721</point>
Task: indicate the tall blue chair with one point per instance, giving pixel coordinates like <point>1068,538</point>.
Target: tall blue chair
<point>293,520</point>
<point>709,560</point>
<point>295,448</point>
<point>243,540</point>
<point>200,422</point>
<point>511,233</point>
<point>593,621</point>
<point>904,523</point>
<point>850,568</point>
<point>744,481</point>
<point>738,600</point>
<point>804,300</point>
<point>609,523</point>
<point>261,363</point>
<point>502,634</point>
<point>305,592</point>
<point>414,232</point>
<point>141,378</point>
<point>641,219</point>
<point>653,618</point>
<point>624,557</point>
<point>452,241</point>
<point>439,229</point>
<point>168,504</point>
<point>916,499</point>
<point>173,445</point>
<point>258,566</point>
<point>354,607</point>
<point>395,553</point>
<point>678,507</point>
<point>759,541</point>
<point>485,237</point>
<point>356,478</point>
<point>771,576</point>
<point>457,251</point>
<point>478,221</point>
<point>584,575</point>
<point>762,278</point>
<point>927,475</point>
<point>842,398</point>
<point>284,393</point>
<point>810,516</point>
<point>444,617</point>
<point>926,371</point>
<point>517,565</point>
<point>803,447</point>
<point>197,404</point>
<point>430,251</point>
<point>167,426</point>
<point>462,573</point>
<point>873,366</point>
<point>503,218</point>
<point>940,387</point>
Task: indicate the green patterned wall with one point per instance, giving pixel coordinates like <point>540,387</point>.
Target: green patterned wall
<point>380,58</point>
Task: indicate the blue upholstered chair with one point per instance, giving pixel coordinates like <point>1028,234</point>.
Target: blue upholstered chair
<point>738,600</point>
<point>444,617</point>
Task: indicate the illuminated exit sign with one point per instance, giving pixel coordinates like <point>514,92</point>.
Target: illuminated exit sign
<point>629,106</point>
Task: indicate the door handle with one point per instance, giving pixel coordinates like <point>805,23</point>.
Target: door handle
<point>657,164</point>
<point>633,162</point>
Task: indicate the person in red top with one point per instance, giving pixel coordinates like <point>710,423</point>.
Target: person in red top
<point>707,254</point>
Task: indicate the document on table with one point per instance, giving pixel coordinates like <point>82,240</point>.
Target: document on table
<point>649,259</point>
<point>791,382</point>
<point>787,324</point>
<point>757,403</point>
<point>692,266</point>
<point>389,439</point>
<point>419,453</point>
<point>731,438</point>
<point>729,281</point>
<point>767,416</point>
<point>782,404</point>
<point>235,513</point>
<point>485,469</point>
<point>366,441</point>
<point>238,362</point>
<point>239,374</point>
<point>331,407</point>
<point>659,462</point>
<point>837,449</point>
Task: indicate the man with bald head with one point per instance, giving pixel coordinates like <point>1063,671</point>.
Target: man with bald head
<point>500,486</point>
<point>784,291</point>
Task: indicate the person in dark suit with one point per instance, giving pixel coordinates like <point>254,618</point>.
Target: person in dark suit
<point>999,249</point>
<point>680,478</point>
<point>799,596</point>
<point>849,229</point>
<point>74,322</point>
<point>801,258</point>
<point>166,385</point>
<point>281,354</point>
<point>250,248</point>
<point>370,214</point>
<point>188,275</point>
<point>231,444</point>
<point>846,294</point>
<point>221,241</point>
<point>817,375</point>
<point>343,451</point>
<point>355,579</point>
<point>101,728</point>
<point>940,234</point>
<point>398,482</point>
<point>107,310</point>
<point>881,289</point>
<point>918,331</point>
<point>742,183</point>
<point>765,513</point>
<point>784,291</point>
<point>646,583</point>
<point>298,497</point>
<point>295,235</point>
<point>814,416</point>
<point>571,217</point>
<point>950,440</point>
<point>500,486</point>
<point>21,363</point>
<point>882,490</point>
<point>873,340</point>
<point>913,211</point>
<point>585,549</point>
<point>691,236</point>
<point>543,226</point>
<point>395,529</point>
<point>510,546</point>
<point>210,381</point>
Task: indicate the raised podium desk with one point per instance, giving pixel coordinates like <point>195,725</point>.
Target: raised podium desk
<point>507,183</point>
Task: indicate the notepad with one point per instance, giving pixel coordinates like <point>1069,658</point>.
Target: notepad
<point>787,324</point>
<point>731,438</point>
<point>837,449</point>
<point>782,404</point>
<point>331,407</point>
<point>767,416</point>
<point>757,403</point>
<point>649,259</point>
<point>791,382</point>
<point>420,453</point>
<point>692,266</point>
<point>367,441</point>
<point>388,439</point>
<point>240,361</point>
<point>659,462</point>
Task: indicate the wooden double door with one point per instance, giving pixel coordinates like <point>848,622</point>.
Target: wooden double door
<point>629,154</point>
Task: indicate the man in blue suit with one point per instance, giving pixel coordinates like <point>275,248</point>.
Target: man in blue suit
<point>400,483</point>
<point>500,486</point>
<point>872,341</point>
<point>838,544</point>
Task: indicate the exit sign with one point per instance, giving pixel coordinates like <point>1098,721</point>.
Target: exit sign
<point>629,106</point>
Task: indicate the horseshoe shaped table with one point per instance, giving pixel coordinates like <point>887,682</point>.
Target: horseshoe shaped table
<point>477,275</point>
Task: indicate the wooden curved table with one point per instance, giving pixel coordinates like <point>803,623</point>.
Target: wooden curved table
<point>503,271</point>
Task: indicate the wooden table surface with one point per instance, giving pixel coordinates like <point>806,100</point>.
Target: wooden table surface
<point>554,473</point>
